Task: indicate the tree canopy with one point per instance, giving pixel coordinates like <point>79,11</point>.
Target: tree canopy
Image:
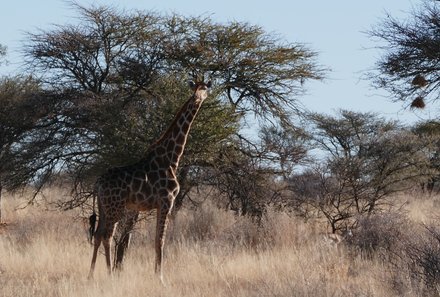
<point>365,160</point>
<point>409,65</point>
<point>113,81</point>
<point>128,51</point>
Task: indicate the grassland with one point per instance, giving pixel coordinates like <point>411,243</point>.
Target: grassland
<point>209,252</point>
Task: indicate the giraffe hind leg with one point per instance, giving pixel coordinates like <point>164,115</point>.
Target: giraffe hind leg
<point>103,235</point>
<point>124,228</point>
<point>106,244</point>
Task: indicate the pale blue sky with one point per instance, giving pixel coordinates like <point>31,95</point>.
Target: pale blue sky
<point>334,29</point>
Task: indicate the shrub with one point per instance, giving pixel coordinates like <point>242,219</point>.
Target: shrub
<point>421,255</point>
<point>379,235</point>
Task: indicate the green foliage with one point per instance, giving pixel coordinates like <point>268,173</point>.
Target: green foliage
<point>284,148</point>
<point>430,131</point>
<point>119,77</point>
<point>428,128</point>
<point>109,50</point>
<point>256,71</point>
<point>240,177</point>
<point>24,110</point>
<point>348,134</point>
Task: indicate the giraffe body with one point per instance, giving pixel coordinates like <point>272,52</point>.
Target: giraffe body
<point>148,184</point>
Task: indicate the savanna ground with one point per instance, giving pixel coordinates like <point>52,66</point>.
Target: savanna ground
<point>209,252</point>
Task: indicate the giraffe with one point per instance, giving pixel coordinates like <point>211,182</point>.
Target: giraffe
<point>148,184</point>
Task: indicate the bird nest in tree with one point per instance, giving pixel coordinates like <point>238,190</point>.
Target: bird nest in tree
<point>419,102</point>
<point>419,81</point>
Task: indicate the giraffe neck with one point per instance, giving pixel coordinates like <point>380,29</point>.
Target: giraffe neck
<point>170,146</point>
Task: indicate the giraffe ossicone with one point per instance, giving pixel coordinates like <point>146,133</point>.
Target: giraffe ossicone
<point>149,184</point>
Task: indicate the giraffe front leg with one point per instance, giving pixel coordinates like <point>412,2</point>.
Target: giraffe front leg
<point>161,226</point>
<point>106,242</point>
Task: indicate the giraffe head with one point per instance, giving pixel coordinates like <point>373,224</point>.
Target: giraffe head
<point>200,89</point>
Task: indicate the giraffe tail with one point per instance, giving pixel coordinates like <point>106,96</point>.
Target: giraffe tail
<point>92,223</point>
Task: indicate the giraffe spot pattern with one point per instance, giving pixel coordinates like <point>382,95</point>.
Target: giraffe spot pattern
<point>150,183</point>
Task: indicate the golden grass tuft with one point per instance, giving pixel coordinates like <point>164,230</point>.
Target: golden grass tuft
<point>46,253</point>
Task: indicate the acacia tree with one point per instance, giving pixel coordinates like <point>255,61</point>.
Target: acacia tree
<point>283,149</point>
<point>24,109</point>
<point>409,66</point>
<point>117,75</point>
<point>367,159</point>
<point>430,130</point>
<point>256,71</point>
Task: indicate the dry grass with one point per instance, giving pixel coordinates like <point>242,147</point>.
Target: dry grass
<point>422,208</point>
<point>209,253</point>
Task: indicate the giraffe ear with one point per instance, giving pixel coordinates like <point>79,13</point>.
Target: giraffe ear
<point>192,84</point>
<point>208,84</point>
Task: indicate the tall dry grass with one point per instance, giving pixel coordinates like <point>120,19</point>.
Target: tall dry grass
<point>209,252</point>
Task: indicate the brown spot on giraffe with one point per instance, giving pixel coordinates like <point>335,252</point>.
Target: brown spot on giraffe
<point>149,184</point>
